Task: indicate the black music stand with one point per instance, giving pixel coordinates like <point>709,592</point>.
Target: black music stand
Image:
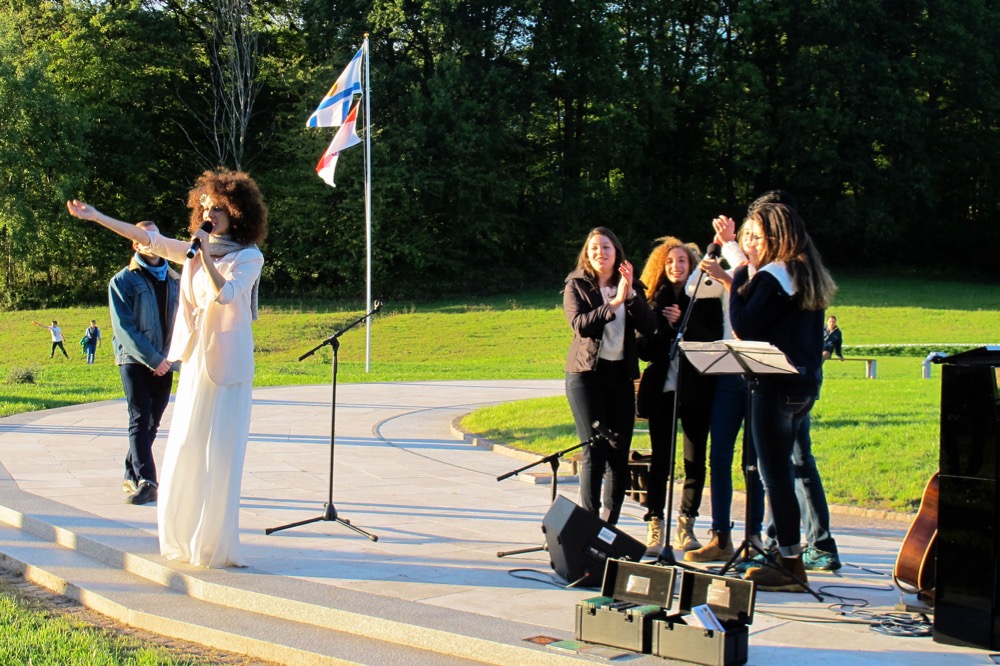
<point>329,510</point>
<point>751,359</point>
<point>553,460</point>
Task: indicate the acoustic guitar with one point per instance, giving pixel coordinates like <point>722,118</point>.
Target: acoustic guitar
<point>914,571</point>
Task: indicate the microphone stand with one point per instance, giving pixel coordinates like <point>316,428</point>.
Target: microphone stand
<point>553,460</point>
<point>329,510</point>
<point>667,554</point>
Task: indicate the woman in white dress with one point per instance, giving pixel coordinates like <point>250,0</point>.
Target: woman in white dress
<point>199,492</point>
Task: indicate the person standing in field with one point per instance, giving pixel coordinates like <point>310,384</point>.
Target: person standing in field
<point>92,338</point>
<point>57,337</point>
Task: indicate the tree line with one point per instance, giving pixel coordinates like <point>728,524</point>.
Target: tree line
<point>501,132</point>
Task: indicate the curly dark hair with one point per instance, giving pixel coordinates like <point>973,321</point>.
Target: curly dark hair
<point>237,192</point>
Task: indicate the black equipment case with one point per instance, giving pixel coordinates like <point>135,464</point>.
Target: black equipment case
<point>632,596</point>
<point>677,636</point>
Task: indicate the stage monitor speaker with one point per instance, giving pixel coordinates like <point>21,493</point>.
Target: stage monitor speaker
<point>967,574</point>
<point>580,543</point>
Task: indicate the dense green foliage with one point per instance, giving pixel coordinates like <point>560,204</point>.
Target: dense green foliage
<point>500,132</point>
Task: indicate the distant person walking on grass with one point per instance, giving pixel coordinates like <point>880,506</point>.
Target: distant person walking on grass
<point>57,337</point>
<point>833,338</point>
<point>91,338</point>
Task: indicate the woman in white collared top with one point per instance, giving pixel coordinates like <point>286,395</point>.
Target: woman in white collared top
<point>199,492</point>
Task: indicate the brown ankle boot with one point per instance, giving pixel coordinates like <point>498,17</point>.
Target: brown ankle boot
<point>719,549</point>
<point>775,579</point>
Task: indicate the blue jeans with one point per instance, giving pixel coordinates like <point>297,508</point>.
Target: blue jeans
<point>91,350</point>
<point>810,494</point>
<point>606,394</point>
<point>728,412</point>
<point>146,396</point>
<point>777,415</point>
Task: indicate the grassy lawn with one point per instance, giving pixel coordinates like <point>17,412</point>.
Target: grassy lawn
<point>876,440</point>
<point>32,633</point>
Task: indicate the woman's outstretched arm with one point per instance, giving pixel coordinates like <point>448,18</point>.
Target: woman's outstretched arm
<point>87,212</point>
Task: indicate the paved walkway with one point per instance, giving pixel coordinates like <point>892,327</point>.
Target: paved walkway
<point>430,590</point>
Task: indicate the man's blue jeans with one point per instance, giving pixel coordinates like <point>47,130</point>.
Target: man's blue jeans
<point>606,394</point>
<point>146,396</point>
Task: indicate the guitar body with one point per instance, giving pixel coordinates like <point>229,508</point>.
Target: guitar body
<point>915,562</point>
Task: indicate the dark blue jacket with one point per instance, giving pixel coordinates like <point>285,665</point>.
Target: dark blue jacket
<point>135,316</point>
<point>768,313</point>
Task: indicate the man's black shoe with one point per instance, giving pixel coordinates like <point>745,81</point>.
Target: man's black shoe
<point>145,494</point>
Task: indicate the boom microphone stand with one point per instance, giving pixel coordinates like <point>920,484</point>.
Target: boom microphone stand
<point>329,510</point>
<point>553,460</point>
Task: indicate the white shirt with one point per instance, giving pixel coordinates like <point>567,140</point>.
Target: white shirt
<point>613,339</point>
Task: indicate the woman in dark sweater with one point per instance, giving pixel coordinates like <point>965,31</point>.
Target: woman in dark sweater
<point>783,304</point>
<point>666,275</point>
<point>605,310</point>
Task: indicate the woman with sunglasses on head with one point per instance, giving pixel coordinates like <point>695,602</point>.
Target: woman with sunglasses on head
<point>605,307</point>
<point>783,303</point>
<point>199,492</point>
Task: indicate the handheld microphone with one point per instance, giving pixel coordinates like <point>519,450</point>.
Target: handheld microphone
<point>196,243</point>
<point>713,251</point>
<point>605,433</point>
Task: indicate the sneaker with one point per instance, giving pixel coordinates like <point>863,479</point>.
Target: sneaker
<point>773,578</point>
<point>654,537</point>
<point>128,486</point>
<point>748,563</point>
<point>712,552</point>
<point>684,538</point>
<point>815,559</point>
<point>756,561</point>
<point>144,494</point>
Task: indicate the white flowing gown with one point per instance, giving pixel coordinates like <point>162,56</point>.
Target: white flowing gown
<point>199,494</point>
<point>199,497</point>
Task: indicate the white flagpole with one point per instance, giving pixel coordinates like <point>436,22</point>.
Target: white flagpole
<point>368,208</point>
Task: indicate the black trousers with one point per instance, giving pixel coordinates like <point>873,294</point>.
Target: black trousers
<point>606,394</point>
<point>147,396</point>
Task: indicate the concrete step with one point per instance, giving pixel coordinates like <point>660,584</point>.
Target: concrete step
<point>115,570</point>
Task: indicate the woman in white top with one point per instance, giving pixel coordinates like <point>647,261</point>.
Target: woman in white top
<point>605,307</point>
<point>199,492</point>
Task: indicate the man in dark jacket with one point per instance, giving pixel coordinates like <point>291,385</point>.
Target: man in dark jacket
<point>143,299</point>
<point>833,339</point>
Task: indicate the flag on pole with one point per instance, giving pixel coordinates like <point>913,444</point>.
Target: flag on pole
<point>332,110</point>
<point>343,139</point>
